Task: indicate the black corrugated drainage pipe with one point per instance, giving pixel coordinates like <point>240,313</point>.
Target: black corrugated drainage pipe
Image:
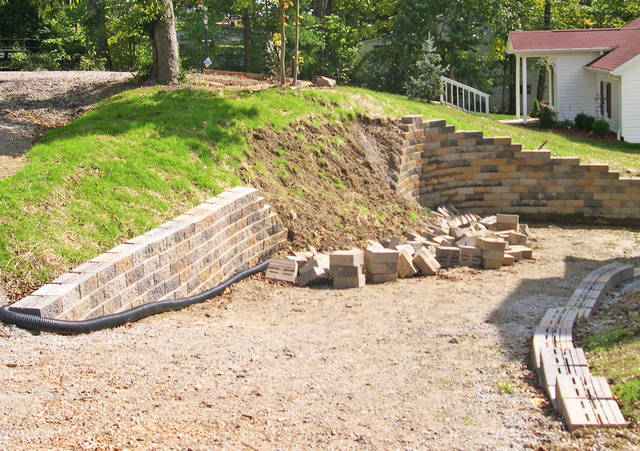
<point>37,323</point>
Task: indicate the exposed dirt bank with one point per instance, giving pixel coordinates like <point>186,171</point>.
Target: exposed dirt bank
<point>421,363</point>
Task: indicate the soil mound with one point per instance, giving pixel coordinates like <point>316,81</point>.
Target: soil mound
<point>333,185</point>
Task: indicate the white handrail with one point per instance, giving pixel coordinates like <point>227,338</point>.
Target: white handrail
<point>465,97</point>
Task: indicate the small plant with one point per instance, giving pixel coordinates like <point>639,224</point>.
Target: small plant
<point>536,109</point>
<point>579,120</point>
<point>566,124</point>
<point>506,387</point>
<point>588,122</point>
<point>600,128</point>
<point>546,117</point>
<point>426,84</point>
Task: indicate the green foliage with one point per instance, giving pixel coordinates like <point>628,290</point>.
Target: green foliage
<point>426,84</point>
<point>587,122</point>
<point>506,387</point>
<point>579,120</point>
<point>600,128</point>
<point>546,117</point>
<point>567,124</point>
<point>536,109</point>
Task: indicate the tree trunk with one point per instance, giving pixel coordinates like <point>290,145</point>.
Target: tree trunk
<point>96,28</point>
<point>165,68</point>
<point>282,44</point>
<point>543,70</point>
<point>246,24</point>
<point>320,8</point>
<point>296,53</point>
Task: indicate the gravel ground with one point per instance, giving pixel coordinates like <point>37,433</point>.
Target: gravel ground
<point>32,102</point>
<point>416,364</point>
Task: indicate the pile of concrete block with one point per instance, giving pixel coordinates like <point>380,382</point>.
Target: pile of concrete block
<point>345,268</point>
<point>452,239</point>
<point>381,264</point>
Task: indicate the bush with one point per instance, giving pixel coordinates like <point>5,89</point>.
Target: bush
<point>600,128</point>
<point>536,109</point>
<point>588,123</point>
<point>546,117</point>
<point>580,117</point>
<point>566,124</point>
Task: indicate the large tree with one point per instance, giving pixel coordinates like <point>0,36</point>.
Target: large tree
<point>165,67</point>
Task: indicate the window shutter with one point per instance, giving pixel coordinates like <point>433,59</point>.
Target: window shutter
<point>602,98</point>
<point>609,100</point>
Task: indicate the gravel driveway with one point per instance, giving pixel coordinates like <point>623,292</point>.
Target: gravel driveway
<point>32,102</point>
<point>418,364</point>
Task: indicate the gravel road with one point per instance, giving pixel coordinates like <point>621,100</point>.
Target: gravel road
<point>418,364</point>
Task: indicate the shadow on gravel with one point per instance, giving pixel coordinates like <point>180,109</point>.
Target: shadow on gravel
<point>521,311</point>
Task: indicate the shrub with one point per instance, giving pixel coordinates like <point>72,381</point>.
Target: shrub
<point>427,84</point>
<point>546,117</point>
<point>580,121</point>
<point>600,128</point>
<point>566,124</point>
<point>536,109</point>
<point>588,122</point>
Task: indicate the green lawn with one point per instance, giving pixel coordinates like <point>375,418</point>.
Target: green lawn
<point>146,155</point>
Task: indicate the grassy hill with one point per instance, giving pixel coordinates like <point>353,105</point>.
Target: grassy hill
<point>146,155</point>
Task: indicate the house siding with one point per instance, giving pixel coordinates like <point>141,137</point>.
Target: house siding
<point>575,85</point>
<point>631,103</point>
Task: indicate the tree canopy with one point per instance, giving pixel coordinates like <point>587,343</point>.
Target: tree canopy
<point>364,42</point>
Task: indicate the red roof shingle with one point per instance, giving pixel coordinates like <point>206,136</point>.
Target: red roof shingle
<point>621,44</point>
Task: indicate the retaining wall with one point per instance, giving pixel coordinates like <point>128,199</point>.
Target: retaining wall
<point>187,255</point>
<point>493,175</point>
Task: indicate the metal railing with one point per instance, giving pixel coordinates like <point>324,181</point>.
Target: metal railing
<point>465,97</point>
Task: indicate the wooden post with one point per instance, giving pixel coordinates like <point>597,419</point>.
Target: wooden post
<point>550,86</point>
<point>518,87</point>
<point>525,97</point>
<point>296,53</point>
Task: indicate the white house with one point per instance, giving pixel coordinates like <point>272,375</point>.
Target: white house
<point>595,71</point>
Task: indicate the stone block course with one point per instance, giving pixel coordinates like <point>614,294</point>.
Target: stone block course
<point>190,253</point>
<point>542,187</point>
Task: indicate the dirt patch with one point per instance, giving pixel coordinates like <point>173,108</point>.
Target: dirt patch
<point>418,364</point>
<point>333,185</point>
<point>611,137</point>
<point>33,102</point>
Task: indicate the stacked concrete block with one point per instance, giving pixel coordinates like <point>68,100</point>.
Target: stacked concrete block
<point>471,256</point>
<point>487,175</point>
<point>507,222</point>
<point>492,252</point>
<point>345,268</point>
<point>381,265</point>
<point>581,399</point>
<point>447,256</point>
<point>426,262</point>
<point>315,271</point>
<point>186,255</point>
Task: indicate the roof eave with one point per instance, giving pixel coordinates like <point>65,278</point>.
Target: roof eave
<point>588,49</point>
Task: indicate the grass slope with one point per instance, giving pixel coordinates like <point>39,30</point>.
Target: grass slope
<point>146,155</point>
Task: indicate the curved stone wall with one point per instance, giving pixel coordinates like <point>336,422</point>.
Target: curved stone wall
<point>187,255</point>
<point>489,175</point>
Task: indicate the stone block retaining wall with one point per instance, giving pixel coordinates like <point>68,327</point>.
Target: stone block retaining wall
<point>489,175</point>
<point>185,256</point>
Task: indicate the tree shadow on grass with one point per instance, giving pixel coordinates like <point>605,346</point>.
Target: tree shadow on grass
<point>201,119</point>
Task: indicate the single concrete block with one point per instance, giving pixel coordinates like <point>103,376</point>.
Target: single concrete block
<point>352,257</point>
<point>312,275</point>
<point>373,256</point>
<point>282,269</point>
<point>349,282</point>
<point>345,271</point>
<point>381,278</point>
<point>406,268</point>
<point>425,262</point>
